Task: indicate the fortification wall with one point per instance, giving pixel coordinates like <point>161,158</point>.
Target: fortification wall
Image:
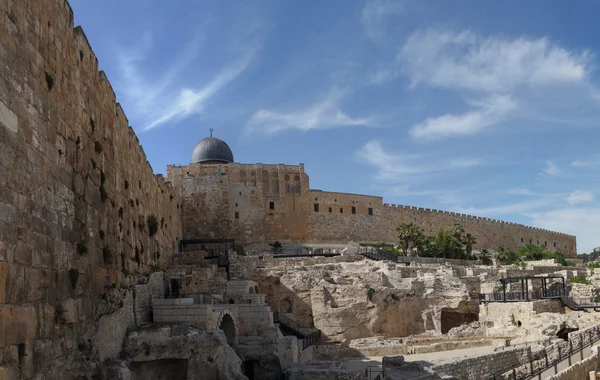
<point>247,202</point>
<point>255,203</point>
<point>75,189</point>
<point>380,224</point>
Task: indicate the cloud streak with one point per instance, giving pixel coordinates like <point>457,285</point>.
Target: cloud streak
<point>488,113</point>
<point>157,101</point>
<point>321,115</point>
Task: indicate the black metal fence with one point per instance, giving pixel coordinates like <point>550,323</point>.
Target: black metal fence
<point>551,356</point>
<point>300,332</point>
<point>374,373</point>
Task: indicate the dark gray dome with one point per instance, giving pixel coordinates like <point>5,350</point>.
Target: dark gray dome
<point>212,149</point>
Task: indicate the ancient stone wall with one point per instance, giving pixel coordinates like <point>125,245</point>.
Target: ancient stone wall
<point>483,366</point>
<point>256,203</point>
<point>76,190</point>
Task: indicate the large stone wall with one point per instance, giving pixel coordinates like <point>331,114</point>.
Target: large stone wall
<point>235,200</point>
<point>75,188</point>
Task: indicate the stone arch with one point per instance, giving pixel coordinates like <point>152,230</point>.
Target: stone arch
<point>226,323</point>
<point>251,290</point>
<point>285,305</point>
<point>256,289</point>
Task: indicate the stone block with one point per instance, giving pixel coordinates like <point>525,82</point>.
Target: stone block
<point>18,324</point>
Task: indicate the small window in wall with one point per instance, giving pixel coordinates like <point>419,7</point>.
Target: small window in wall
<point>545,243</point>
<point>521,240</point>
<point>271,205</point>
<point>529,241</point>
<point>316,207</point>
<point>236,215</point>
<point>341,210</point>
<point>240,193</point>
<point>353,210</point>
<point>537,242</point>
<point>554,244</point>
<point>330,209</point>
<point>236,205</point>
<point>370,211</point>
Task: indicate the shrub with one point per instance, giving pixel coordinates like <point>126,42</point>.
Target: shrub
<point>97,146</point>
<point>370,292</point>
<point>276,247</point>
<point>74,277</point>
<point>594,265</point>
<point>82,248</point>
<point>152,225</point>
<point>580,280</point>
<point>49,81</point>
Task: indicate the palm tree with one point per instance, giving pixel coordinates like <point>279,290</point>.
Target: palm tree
<point>469,241</point>
<point>276,247</point>
<point>485,257</point>
<point>410,236</point>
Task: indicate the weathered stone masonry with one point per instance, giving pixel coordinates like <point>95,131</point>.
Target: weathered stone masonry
<point>261,203</point>
<point>75,186</point>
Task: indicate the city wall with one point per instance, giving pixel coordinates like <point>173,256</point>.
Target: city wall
<point>256,203</point>
<point>76,190</point>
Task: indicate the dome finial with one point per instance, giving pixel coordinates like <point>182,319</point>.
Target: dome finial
<point>211,130</point>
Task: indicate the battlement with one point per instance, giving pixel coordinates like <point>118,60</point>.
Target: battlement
<point>399,208</point>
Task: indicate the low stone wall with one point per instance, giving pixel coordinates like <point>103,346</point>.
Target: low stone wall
<point>480,367</point>
<point>182,310</point>
<point>580,370</point>
<point>253,318</point>
<point>548,306</point>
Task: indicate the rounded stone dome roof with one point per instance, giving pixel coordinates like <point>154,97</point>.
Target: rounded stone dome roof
<point>212,149</point>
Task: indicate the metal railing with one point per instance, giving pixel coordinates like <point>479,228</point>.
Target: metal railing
<point>374,373</point>
<point>546,360</point>
<point>307,339</point>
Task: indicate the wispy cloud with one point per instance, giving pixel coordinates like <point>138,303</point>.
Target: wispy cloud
<point>551,169</point>
<point>578,196</point>
<point>582,222</point>
<point>487,113</point>
<point>407,167</point>
<point>493,64</point>
<point>324,114</point>
<point>375,14</point>
<point>156,101</point>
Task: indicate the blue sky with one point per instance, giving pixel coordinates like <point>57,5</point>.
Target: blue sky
<point>487,108</point>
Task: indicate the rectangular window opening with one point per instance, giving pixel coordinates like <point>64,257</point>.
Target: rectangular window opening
<point>237,215</point>
<point>271,205</point>
<point>330,209</point>
<point>316,207</point>
<point>521,240</point>
<point>341,211</point>
<point>353,210</point>
<point>370,211</point>
<point>554,244</point>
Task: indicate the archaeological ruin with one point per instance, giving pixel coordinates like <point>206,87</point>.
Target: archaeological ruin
<point>108,271</point>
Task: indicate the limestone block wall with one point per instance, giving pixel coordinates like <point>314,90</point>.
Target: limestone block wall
<point>75,186</point>
<point>483,366</point>
<point>256,203</point>
<point>580,370</point>
<point>182,310</point>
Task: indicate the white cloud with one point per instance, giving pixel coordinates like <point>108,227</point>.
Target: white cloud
<point>324,114</point>
<point>582,222</point>
<point>551,168</point>
<point>493,64</point>
<point>374,15</point>
<point>488,113</point>
<point>579,196</point>
<point>405,167</point>
<point>155,101</point>
<point>585,163</point>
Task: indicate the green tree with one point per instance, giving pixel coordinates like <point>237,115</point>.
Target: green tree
<point>276,247</point>
<point>410,237</point>
<point>469,241</point>
<point>485,257</point>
